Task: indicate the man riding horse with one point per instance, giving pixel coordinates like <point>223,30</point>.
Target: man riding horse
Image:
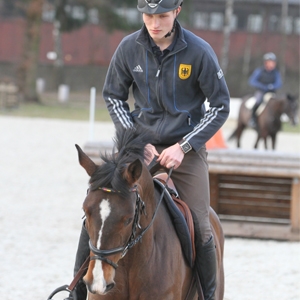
<point>171,72</point>
<point>264,79</point>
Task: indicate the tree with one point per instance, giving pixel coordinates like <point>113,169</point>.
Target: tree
<point>284,17</point>
<point>66,20</point>
<point>226,35</point>
<point>28,68</point>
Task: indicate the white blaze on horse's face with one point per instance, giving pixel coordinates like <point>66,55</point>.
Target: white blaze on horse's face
<point>99,283</point>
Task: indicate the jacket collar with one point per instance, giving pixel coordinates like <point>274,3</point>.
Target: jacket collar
<point>143,38</point>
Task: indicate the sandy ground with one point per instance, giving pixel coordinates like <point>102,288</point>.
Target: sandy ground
<point>42,188</point>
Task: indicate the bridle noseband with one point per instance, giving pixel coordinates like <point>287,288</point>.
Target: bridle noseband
<point>102,254</point>
<point>133,240</point>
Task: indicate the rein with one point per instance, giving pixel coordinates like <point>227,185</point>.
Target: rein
<point>71,287</point>
<point>133,240</point>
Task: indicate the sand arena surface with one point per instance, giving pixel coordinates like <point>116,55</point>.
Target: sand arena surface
<point>42,189</point>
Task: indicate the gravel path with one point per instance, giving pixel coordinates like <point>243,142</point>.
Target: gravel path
<point>42,189</point>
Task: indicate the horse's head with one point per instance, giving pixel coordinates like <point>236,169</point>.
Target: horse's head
<point>291,109</point>
<point>112,207</point>
<point>110,218</point>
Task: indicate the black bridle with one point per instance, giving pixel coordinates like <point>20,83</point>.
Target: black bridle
<point>102,254</point>
<point>133,239</point>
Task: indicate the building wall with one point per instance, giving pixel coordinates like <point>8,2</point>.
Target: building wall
<point>91,46</point>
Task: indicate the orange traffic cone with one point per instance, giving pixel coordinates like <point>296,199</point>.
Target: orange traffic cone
<point>216,142</point>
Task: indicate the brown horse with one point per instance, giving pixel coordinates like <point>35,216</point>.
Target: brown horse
<point>269,117</point>
<point>135,251</point>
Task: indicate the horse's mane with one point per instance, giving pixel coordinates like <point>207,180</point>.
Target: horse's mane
<point>129,145</point>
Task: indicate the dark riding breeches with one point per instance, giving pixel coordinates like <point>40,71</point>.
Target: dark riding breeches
<point>259,96</point>
<point>192,183</point>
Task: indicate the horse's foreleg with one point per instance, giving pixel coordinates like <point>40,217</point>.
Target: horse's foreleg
<point>273,138</point>
<point>266,143</point>
<point>257,140</point>
<point>239,132</point>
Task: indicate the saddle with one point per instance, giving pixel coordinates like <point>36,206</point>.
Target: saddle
<point>252,100</point>
<point>181,216</point>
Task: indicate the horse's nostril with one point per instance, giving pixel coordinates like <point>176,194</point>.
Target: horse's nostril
<point>109,287</point>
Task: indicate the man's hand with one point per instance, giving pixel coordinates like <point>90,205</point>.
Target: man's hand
<point>150,152</point>
<point>171,157</point>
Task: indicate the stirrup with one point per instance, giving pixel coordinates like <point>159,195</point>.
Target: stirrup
<point>64,288</point>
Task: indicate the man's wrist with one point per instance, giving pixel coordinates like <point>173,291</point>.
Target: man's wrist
<point>185,146</point>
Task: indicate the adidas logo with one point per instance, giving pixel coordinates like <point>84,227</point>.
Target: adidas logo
<point>138,69</point>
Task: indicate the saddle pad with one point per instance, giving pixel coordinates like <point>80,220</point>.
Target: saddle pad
<point>252,100</point>
<point>266,99</point>
<point>179,222</point>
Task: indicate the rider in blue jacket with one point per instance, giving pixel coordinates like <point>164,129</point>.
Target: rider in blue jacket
<point>264,79</point>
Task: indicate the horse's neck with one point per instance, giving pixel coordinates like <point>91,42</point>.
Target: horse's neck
<point>151,198</point>
<point>146,190</point>
<point>277,106</point>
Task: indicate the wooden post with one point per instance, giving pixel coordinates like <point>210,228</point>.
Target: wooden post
<point>295,205</point>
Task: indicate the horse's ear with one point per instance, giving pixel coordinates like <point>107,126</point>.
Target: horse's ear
<point>133,172</point>
<point>86,162</point>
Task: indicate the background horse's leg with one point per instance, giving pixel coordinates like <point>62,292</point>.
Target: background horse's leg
<point>266,142</point>
<point>257,140</point>
<point>273,138</point>
<point>239,132</point>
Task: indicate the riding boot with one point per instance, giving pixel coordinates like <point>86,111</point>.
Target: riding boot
<point>253,122</point>
<point>206,266</point>
<point>83,252</point>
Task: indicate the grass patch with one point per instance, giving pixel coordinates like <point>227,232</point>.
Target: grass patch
<point>66,112</point>
<point>287,127</point>
<point>76,108</point>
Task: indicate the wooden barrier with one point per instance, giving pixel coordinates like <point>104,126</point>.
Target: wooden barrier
<point>8,95</point>
<point>255,193</point>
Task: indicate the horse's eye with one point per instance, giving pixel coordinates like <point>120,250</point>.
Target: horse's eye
<point>128,221</point>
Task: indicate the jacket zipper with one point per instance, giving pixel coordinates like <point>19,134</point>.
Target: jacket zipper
<point>158,71</point>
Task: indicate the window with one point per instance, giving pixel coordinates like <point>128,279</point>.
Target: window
<point>254,23</point>
<point>48,15</point>
<point>233,23</point>
<point>48,12</point>
<point>213,21</point>
<point>200,20</point>
<point>297,25</point>
<point>288,26</point>
<point>132,15</point>
<point>216,21</point>
<point>274,23</point>
<point>93,16</point>
<point>76,12</point>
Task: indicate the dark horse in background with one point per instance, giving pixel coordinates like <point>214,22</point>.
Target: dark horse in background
<point>122,205</point>
<point>268,116</point>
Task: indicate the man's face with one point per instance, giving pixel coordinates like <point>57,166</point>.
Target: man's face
<point>158,25</point>
<point>270,65</point>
